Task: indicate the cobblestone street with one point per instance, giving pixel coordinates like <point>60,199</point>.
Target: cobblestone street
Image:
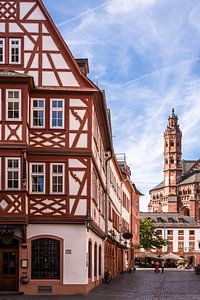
<point>141,284</point>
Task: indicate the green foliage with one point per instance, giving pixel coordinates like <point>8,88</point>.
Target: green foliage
<point>149,238</point>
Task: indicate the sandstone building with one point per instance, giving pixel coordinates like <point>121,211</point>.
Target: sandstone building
<point>174,206</point>
<point>180,189</point>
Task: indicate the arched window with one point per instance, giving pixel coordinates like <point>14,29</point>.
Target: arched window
<point>186,211</point>
<point>99,260</point>
<point>90,259</point>
<point>45,258</point>
<point>95,260</point>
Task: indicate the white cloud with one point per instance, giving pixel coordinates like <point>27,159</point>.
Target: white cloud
<point>118,7</point>
<point>145,54</point>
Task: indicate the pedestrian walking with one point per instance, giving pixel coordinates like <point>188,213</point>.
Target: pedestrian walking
<point>157,267</point>
<point>162,266</point>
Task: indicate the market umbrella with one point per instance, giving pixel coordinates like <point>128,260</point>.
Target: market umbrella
<point>171,255</point>
<point>146,254</point>
<point>152,255</point>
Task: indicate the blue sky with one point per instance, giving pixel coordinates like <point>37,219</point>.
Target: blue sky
<point>146,55</point>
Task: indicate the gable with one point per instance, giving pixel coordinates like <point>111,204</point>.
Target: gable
<point>44,54</point>
<point>194,168</point>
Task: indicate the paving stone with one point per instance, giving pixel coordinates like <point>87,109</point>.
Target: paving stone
<point>138,285</point>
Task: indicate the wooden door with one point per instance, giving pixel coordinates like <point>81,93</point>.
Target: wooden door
<point>8,269</point>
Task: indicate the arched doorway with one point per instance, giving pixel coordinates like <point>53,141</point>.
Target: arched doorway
<point>9,265</point>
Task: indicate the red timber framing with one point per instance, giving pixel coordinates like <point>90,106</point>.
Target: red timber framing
<point>47,156</point>
<point>46,71</point>
<point>44,54</point>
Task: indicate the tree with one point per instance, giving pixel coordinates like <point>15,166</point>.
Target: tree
<point>149,238</point>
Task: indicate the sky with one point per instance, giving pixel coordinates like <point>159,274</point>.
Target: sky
<point>146,55</point>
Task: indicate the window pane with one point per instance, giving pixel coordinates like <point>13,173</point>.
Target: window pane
<point>16,162</point>
<point>16,94</point>
<point>60,168</point>
<point>37,183</point>
<point>16,115</point>
<point>55,180</point>
<point>40,168</point>
<point>10,106</point>
<point>16,184</point>
<point>60,103</point>
<point>40,183</point>
<point>55,168</point>
<point>34,168</point>
<point>16,105</point>
<point>57,103</point>
<point>10,94</point>
<point>54,104</point>
<point>38,118</point>
<point>60,189</point>
<point>10,163</point>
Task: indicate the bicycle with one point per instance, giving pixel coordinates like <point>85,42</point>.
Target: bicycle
<point>107,277</point>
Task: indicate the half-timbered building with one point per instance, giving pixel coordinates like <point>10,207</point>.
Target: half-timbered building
<point>55,152</point>
<point>54,143</point>
<point>123,217</point>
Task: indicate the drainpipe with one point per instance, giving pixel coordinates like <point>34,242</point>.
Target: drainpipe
<point>108,158</point>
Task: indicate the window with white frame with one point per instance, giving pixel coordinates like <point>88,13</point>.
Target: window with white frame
<point>2,51</point>
<point>15,51</point>
<point>13,105</point>
<point>57,113</point>
<point>12,173</point>
<point>37,180</point>
<point>57,178</point>
<point>38,113</point>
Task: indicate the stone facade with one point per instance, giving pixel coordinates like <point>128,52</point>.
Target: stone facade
<point>179,191</point>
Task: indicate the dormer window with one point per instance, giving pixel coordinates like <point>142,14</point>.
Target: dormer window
<point>2,51</point>
<point>15,51</point>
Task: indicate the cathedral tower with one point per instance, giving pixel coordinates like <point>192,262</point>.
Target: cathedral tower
<point>172,161</point>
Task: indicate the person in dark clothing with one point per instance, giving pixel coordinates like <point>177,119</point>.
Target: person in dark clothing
<point>162,266</point>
